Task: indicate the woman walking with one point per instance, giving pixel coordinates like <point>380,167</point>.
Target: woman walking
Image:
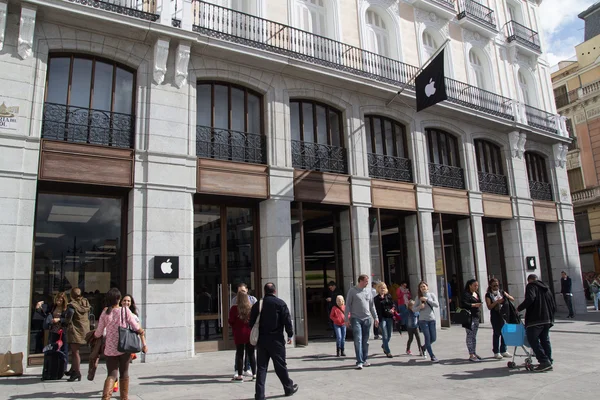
<point>425,304</point>
<point>339,325</point>
<point>77,329</point>
<point>472,302</point>
<point>117,363</point>
<point>495,301</point>
<point>385,310</point>
<point>239,315</point>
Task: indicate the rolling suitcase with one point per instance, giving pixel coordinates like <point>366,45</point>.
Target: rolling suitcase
<point>55,361</point>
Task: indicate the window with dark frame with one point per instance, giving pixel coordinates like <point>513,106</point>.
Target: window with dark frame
<point>385,137</point>
<point>443,148</point>
<point>489,157</point>
<point>229,123</point>
<point>315,122</point>
<point>536,167</point>
<point>89,99</point>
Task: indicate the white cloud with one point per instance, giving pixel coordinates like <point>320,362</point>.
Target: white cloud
<point>555,14</point>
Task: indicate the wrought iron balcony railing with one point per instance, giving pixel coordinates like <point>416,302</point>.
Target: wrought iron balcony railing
<point>479,99</point>
<point>540,119</point>
<point>319,157</point>
<point>446,176</point>
<point>478,12</point>
<point>449,4</point>
<point>540,190</point>
<point>493,183</point>
<point>142,9</point>
<point>84,125</point>
<point>524,35</point>
<point>226,144</point>
<point>389,167</point>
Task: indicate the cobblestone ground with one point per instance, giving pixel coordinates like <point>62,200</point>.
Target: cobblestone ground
<point>321,375</point>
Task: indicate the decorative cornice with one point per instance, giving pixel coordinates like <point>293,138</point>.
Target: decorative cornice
<point>3,13</point>
<point>161,53</point>
<point>26,31</point>
<point>431,20</point>
<point>181,64</point>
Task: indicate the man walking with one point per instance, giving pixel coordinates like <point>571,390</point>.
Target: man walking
<point>274,316</point>
<point>360,307</point>
<point>539,317</point>
<point>565,289</point>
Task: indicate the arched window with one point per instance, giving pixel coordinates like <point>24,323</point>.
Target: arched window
<point>490,167</point>
<point>89,100</point>
<point>477,70</point>
<point>539,182</point>
<point>444,161</point>
<point>229,122</point>
<point>378,39</point>
<point>429,45</point>
<point>526,89</point>
<point>311,16</point>
<point>387,149</point>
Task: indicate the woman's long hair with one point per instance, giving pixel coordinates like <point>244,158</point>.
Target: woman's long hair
<point>113,298</point>
<point>132,307</point>
<point>63,296</point>
<point>468,285</point>
<point>244,306</point>
<point>381,288</point>
<point>490,283</point>
<point>422,283</point>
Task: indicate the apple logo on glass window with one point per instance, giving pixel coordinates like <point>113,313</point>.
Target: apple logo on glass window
<point>430,88</point>
<point>166,267</point>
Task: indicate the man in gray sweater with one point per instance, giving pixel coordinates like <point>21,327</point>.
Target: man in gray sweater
<point>360,308</point>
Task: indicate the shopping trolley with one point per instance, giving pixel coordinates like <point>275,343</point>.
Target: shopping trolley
<point>514,335</point>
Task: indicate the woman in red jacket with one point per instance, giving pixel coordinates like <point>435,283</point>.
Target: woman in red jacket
<point>239,315</point>
<point>339,325</point>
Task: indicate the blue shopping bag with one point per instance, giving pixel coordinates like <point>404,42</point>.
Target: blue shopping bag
<point>514,334</point>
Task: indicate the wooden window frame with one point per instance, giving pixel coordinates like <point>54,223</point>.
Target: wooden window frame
<point>398,133</point>
<point>536,167</point>
<point>328,110</point>
<point>489,157</point>
<point>451,141</point>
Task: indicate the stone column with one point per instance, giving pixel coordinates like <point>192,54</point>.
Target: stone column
<point>413,255</point>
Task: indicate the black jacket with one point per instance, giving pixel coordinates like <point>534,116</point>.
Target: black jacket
<point>565,285</point>
<point>468,300</point>
<point>384,306</point>
<point>274,316</point>
<point>539,303</point>
<point>333,294</point>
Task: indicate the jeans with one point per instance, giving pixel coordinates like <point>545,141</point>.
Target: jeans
<point>539,340</point>
<point>430,335</point>
<point>497,337</point>
<point>386,328</point>
<point>472,336</point>
<point>596,296</point>
<point>340,335</point>
<point>361,329</point>
<point>403,311</point>
<point>569,302</point>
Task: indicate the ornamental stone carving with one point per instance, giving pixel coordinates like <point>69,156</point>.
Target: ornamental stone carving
<point>3,13</point>
<point>391,4</point>
<point>181,64</point>
<point>560,154</point>
<point>26,30</point>
<point>517,144</point>
<point>431,20</point>
<point>161,53</point>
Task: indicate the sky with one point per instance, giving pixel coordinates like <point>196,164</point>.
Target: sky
<point>561,28</point>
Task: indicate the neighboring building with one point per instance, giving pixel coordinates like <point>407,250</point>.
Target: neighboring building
<point>258,146</point>
<point>576,92</point>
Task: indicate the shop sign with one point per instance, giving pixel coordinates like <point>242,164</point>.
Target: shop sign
<point>8,116</point>
<point>166,267</point>
<point>531,264</point>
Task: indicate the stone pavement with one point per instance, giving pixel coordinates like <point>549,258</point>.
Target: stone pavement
<point>323,376</point>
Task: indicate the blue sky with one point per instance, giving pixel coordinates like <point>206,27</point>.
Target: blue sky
<point>561,28</point>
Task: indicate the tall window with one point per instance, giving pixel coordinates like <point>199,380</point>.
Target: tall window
<point>378,40</point>
<point>314,122</point>
<point>477,70</point>
<point>385,137</point>
<point>311,16</point>
<point>539,183</point>
<point>443,148</point>
<point>89,100</point>
<point>489,159</point>
<point>429,45</point>
<point>229,122</point>
<point>525,89</point>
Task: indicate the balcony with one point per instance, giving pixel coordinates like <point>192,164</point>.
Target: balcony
<point>527,39</point>
<point>84,125</point>
<point>226,144</point>
<point>443,8</point>
<point>540,190</point>
<point>141,9</point>
<point>390,168</point>
<point>564,99</point>
<point>479,99</point>
<point>446,176</point>
<point>493,183</point>
<point>541,119</point>
<point>585,196</point>
<point>477,17</point>
<point>319,157</point>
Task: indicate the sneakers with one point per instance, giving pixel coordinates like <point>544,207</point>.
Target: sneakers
<point>473,359</point>
<point>543,367</point>
<point>408,352</point>
<point>248,373</point>
<point>367,364</point>
<point>376,337</point>
<point>238,378</point>
<point>253,377</point>
<point>435,360</point>
<point>479,358</point>
<point>506,354</point>
<point>359,366</point>
<point>498,356</point>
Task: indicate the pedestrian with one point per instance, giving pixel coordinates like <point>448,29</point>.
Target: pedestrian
<point>412,326</point>
<point>339,326</point>
<point>565,289</point>
<point>77,329</point>
<point>57,318</point>
<point>330,295</point>
<point>595,290</point>
<point>360,308</point>
<point>117,363</point>
<point>373,295</point>
<point>239,317</point>
<point>274,317</point>
<point>471,301</point>
<point>242,287</point>
<point>384,305</point>
<point>403,296</point>
<point>425,304</point>
<point>540,307</point>
<point>496,302</point>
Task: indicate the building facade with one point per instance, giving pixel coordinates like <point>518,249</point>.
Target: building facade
<point>576,90</point>
<point>176,149</point>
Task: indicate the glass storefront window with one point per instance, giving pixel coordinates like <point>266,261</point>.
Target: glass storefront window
<point>78,243</point>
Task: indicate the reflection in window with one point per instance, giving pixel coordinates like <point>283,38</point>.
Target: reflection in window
<point>316,122</point>
<point>78,243</point>
<point>536,167</point>
<point>385,137</point>
<point>488,157</point>
<point>443,148</point>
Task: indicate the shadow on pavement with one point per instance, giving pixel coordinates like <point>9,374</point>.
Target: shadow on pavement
<point>485,373</point>
<point>62,395</point>
<point>184,379</point>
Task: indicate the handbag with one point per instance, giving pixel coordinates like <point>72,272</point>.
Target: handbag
<point>464,318</point>
<point>129,340</point>
<point>255,328</point>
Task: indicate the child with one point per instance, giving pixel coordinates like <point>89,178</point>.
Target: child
<point>412,326</point>
<point>339,325</point>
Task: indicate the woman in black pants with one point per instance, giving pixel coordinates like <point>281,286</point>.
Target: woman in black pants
<point>239,317</point>
<point>495,300</point>
<point>472,302</point>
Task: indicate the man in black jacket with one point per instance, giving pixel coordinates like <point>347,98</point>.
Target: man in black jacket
<point>539,318</point>
<point>565,289</point>
<point>274,316</point>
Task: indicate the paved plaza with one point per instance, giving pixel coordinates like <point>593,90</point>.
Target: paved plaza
<point>323,376</point>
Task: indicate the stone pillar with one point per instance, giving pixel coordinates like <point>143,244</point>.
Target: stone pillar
<point>427,251</point>
<point>348,273</point>
<point>413,255</point>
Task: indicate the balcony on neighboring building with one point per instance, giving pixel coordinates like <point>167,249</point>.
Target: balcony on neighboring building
<point>564,99</point>
<point>528,39</point>
<point>84,125</point>
<point>585,196</point>
<point>319,157</point>
<point>541,119</point>
<point>540,190</point>
<point>443,8</point>
<point>227,144</point>
<point>390,167</point>
<point>477,17</point>
<point>446,176</point>
<point>493,183</point>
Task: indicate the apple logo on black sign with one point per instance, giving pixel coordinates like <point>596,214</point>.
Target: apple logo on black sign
<point>166,267</point>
